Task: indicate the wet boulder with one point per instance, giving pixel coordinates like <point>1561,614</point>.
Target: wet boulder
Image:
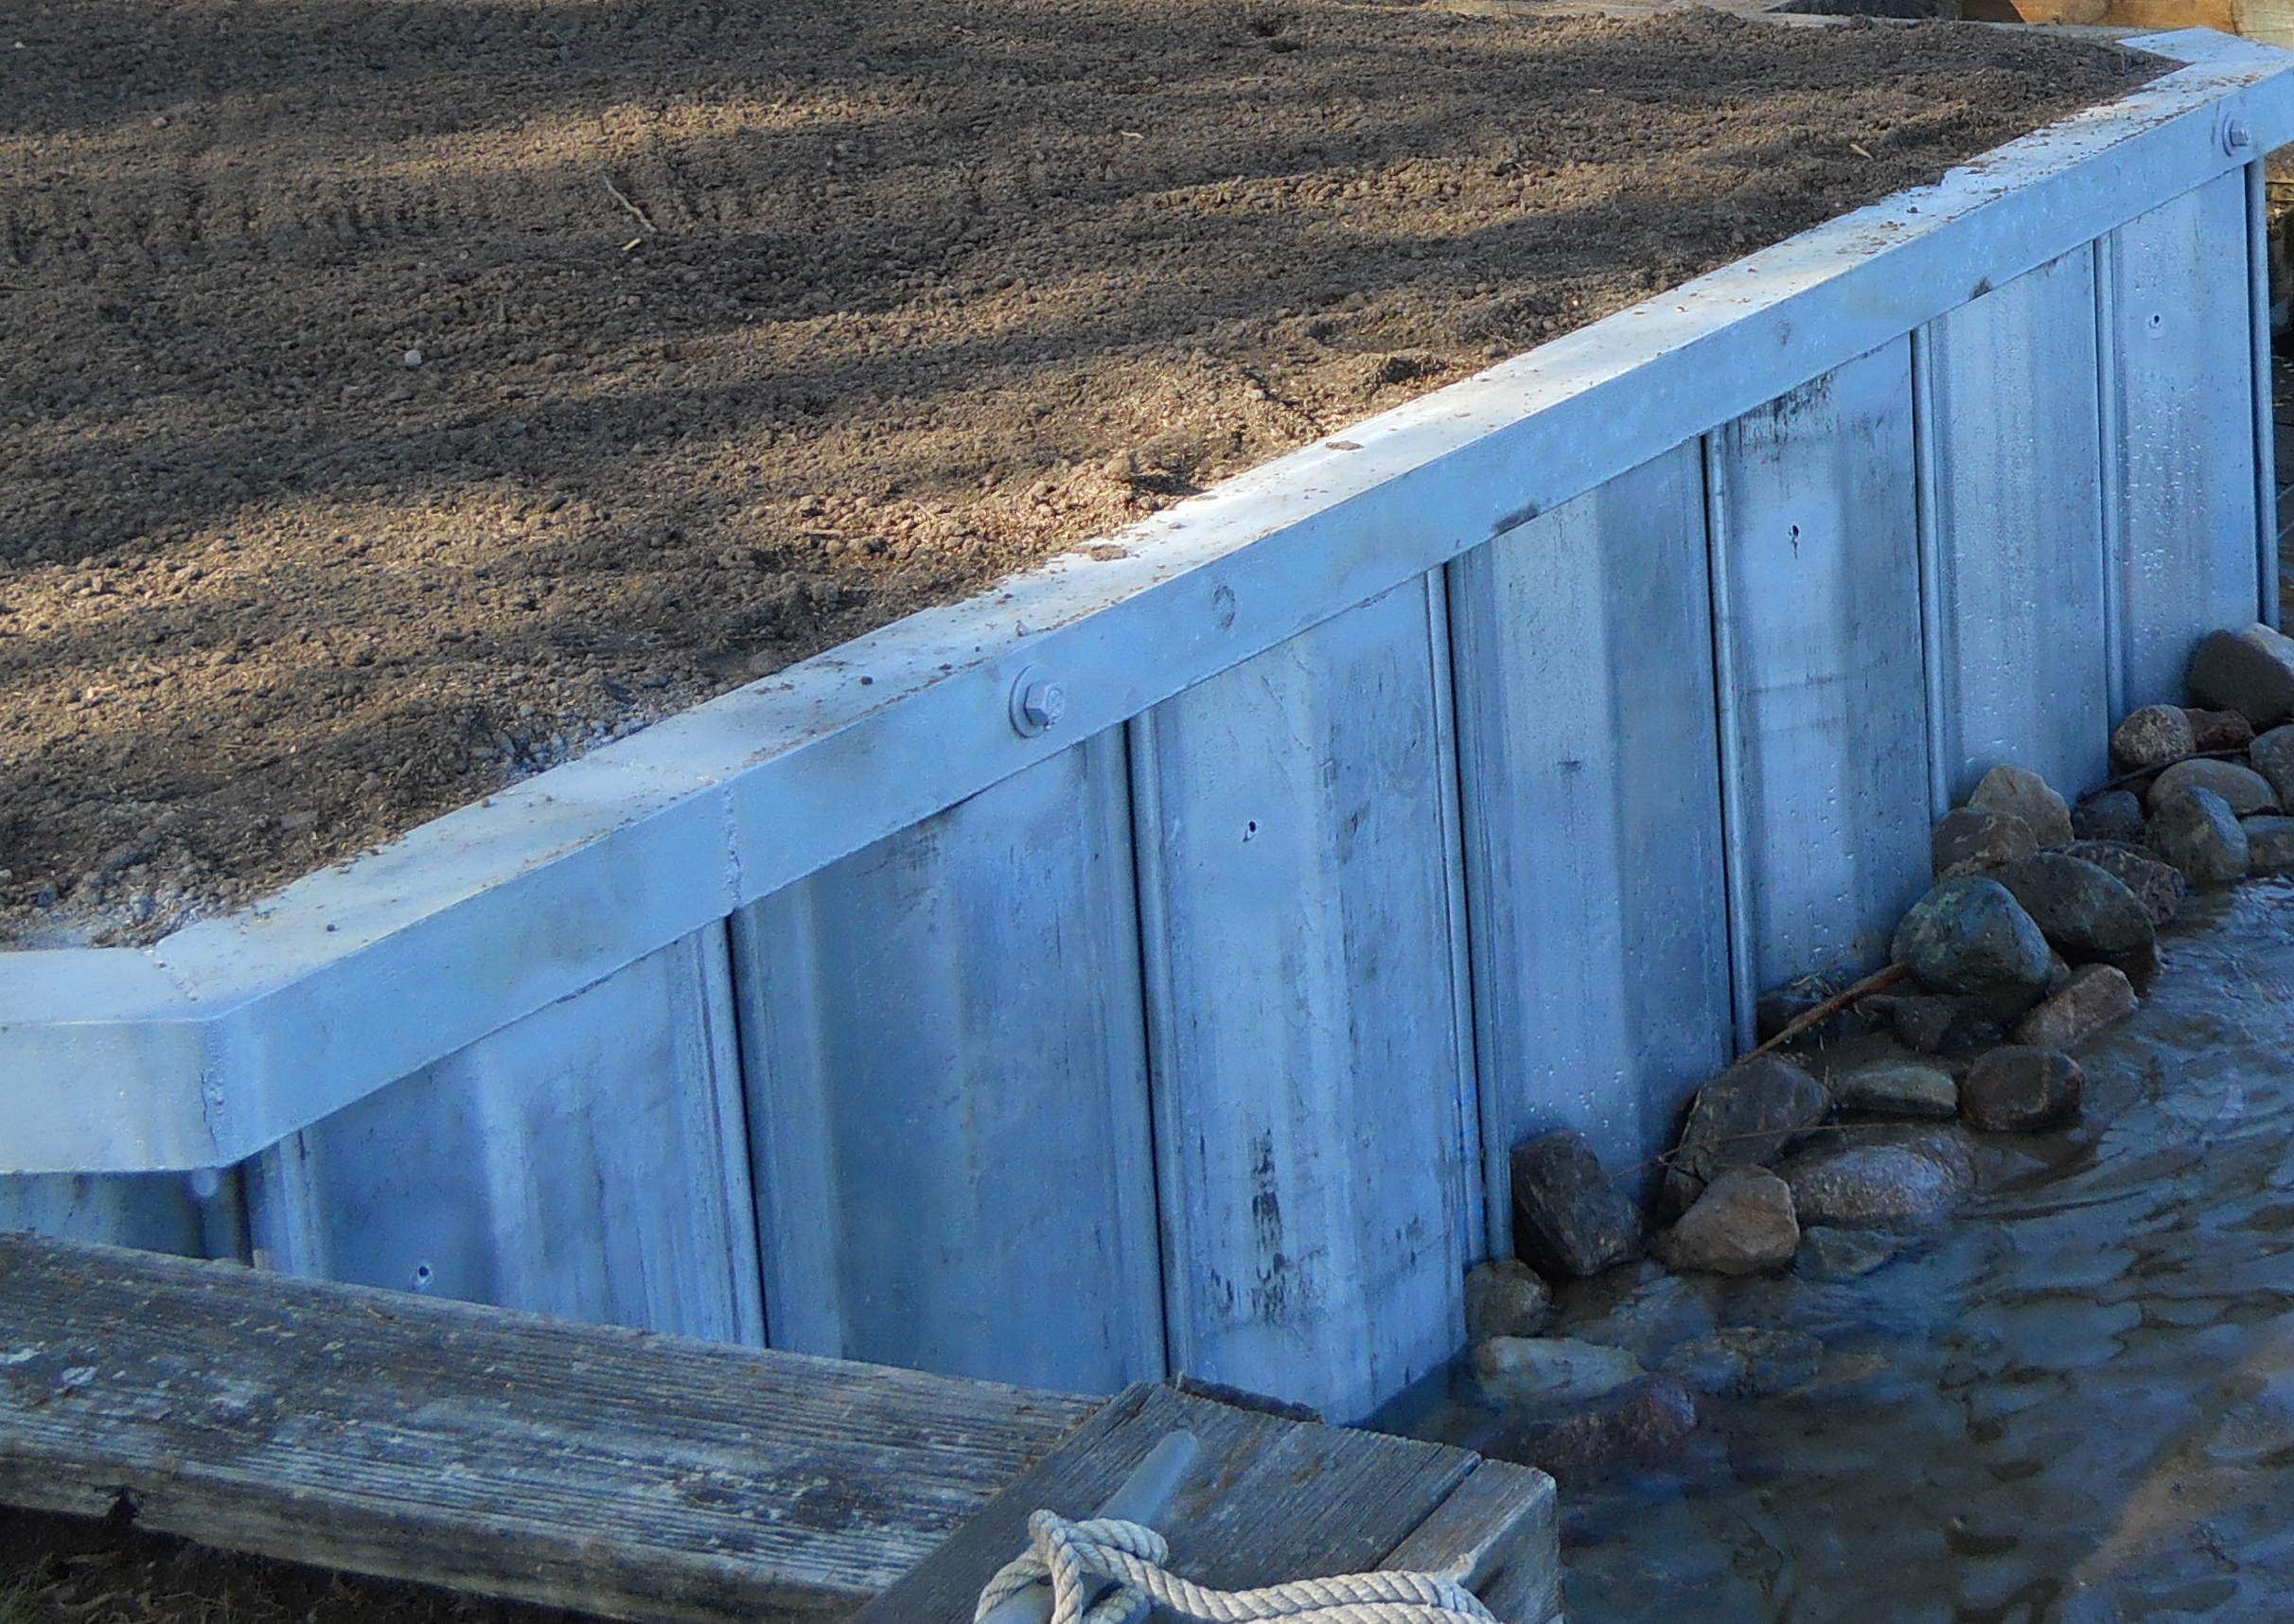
<point>2025,794</point>
<point>1647,1424</point>
<point>1897,1086</point>
<point>1872,1186</point>
<point>1933,1022</point>
<point>1746,1117</point>
<point>2197,832</point>
<point>1742,1224</point>
<point>1506,1297</point>
<point>2152,737</point>
<point>2272,755</point>
<point>2094,997</point>
<point>1568,1219</point>
<point>2242,789</point>
<point>2021,1089</point>
<point>1971,935</point>
<point>1744,1363</point>
<point>1550,1369</point>
<point>2269,844</point>
<point>2084,911</point>
<point>2213,730</point>
<point>2157,883</point>
<point>1968,841</point>
<point>1829,1252</point>
<point>2115,815</point>
<point>2249,671</point>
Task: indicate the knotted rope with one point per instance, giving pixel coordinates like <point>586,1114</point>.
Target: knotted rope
<point>1079,1557</point>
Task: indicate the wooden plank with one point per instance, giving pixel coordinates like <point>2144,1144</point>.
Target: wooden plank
<point>618,1471</point>
<point>1269,1499</point>
<point>1499,1532</point>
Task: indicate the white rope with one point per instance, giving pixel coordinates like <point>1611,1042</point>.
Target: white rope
<point>1079,1558</point>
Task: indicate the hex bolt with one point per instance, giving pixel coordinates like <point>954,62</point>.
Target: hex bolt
<point>1038,703</point>
<point>2236,137</point>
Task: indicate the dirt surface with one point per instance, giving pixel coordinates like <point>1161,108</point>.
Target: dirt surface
<point>402,394</point>
<point>73,1570</point>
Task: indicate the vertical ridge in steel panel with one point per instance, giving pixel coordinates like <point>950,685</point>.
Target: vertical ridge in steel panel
<point>1306,1074</point>
<point>1588,744</point>
<point>1474,1217</point>
<point>2266,451</point>
<point>574,1164</point>
<point>2012,453</point>
<point>948,1091</point>
<point>2183,355</point>
<point>1817,580</point>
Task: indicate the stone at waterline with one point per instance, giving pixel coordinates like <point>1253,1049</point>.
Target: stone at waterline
<point>2213,730</point>
<point>1745,1363</point>
<point>1871,1185</point>
<point>2197,832</point>
<point>1506,1297</point>
<point>1898,1085</point>
<point>2152,737</point>
<point>1742,1224</point>
<point>1968,841</point>
<point>2084,911</point>
<point>1568,1219</point>
<point>2096,996</point>
<point>1933,1022</point>
<point>1659,1311</point>
<point>2272,755</point>
<point>1971,935</point>
<point>2251,671</point>
<point>1648,1423</point>
<point>2021,1089</point>
<point>2115,815</point>
<point>1550,1369</point>
<point>1828,1252</point>
<point>2269,844</point>
<point>1746,1117</point>
<point>2242,789</point>
<point>2025,794</point>
<point>2157,883</point>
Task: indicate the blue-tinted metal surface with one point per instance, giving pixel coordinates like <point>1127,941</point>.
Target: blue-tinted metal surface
<point>1311,1077</point>
<point>2182,383</point>
<point>157,1211</point>
<point>1824,715</point>
<point>2012,457</point>
<point>586,1162</point>
<point>947,1080</point>
<point>1592,814</point>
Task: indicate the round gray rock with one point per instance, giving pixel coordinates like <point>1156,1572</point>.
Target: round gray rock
<point>1531,1369</point>
<point>1968,841</point>
<point>1746,1117</point>
<point>2249,671</point>
<point>2269,844</point>
<point>2197,832</point>
<point>1506,1297</point>
<point>2115,815</point>
<point>2242,789</point>
<point>1971,935</point>
<point>1871,1187</point>
<point>1742,1224</point>
<point>2087,911</point>
<point>2150,737</point>
<point>2021,1089</point>
<point>2273,758</point>
<point>2157,883</point>
<point>1568,1219</point>
<point>2213,731</point>
<point>1897,1086</point>
<point>2025,794</point>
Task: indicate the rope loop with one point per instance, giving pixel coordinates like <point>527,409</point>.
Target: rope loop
<point>1124,1560</point>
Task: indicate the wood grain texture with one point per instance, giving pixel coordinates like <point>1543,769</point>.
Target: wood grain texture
<point>1269,1499</point>
<point>1500,1531</point>
<point>632,1474</point>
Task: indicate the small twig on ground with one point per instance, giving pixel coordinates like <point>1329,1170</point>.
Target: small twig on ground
<point>1879,981</point>
<point>642,219</point>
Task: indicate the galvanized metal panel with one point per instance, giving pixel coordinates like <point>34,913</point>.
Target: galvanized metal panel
<point>1824,700</point>
<point>947,1078</point>
<point>156,1212</point>
<point>586,1162</point>
<point>2011,465</point>
<point>2176,318</point>
<point>1313,1076</point>
<point>1592,816</point>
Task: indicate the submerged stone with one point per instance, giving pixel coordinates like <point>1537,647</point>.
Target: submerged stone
<point>1968,841</point>
<point>2115,815</point>
<point>2021,1089</point>
<point>1742,1224</point>
<point>1647,1423</point>
<point>1744,1363</point>
<point>1872,1186</point>
<point>1898,1086</point>
<point>1548,1370</point>
<point>1743,1118</point>
<point>1971,935</point>
<point>2197,832</point>
<point>1828,1252</point>
<point>2083,910</point>
<point>2025,794</point>
<point>2152,737</point>
<point>1506,1297</point>
<point>1568,1218</point>
<point>2249,671</point>
<point>2242,789</point>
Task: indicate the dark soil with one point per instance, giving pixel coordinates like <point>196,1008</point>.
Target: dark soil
<point>402,394</point>
<point>74,1570</point>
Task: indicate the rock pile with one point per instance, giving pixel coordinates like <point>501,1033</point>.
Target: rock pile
<point>2038,930</point>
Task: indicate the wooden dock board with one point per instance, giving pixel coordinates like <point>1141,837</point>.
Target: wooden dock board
<point>635,1476</point>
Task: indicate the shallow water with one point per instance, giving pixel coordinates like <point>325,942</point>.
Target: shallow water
<point>2074,1401</point>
